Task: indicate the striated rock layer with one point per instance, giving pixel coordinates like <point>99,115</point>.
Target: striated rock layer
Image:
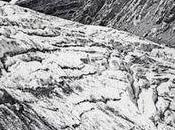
<point>56,74</point>
<point>153,19</point>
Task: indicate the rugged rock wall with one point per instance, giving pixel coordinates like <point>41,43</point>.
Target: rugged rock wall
<point>57,74</point>
<point>153,19</point>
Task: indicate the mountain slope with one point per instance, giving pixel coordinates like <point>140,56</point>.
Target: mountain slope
<point>153,19</point>
<point>58,74</point>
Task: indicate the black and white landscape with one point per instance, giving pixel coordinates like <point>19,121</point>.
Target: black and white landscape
<point>84,72</point>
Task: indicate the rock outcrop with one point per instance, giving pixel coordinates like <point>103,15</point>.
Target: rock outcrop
<point>153,19</point>
<point>57,74</point>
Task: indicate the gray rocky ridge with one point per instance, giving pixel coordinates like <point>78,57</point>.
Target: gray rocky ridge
<point>57,74</point>
<point>153,19</point>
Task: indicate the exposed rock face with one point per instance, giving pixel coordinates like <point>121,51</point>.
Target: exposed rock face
<point>57,74</point>
<point>153,19</point>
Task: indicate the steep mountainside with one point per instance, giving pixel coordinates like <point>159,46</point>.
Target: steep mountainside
<point>57,74</point>
<point>153,19</point>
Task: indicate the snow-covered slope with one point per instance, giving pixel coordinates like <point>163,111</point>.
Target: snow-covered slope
<point>153,19</point>
<point>57,74</point>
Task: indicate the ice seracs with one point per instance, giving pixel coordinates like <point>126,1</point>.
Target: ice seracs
<point>58,74</point>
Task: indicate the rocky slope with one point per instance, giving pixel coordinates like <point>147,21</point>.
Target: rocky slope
<point>57,74</point>
<point>153,19</point>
